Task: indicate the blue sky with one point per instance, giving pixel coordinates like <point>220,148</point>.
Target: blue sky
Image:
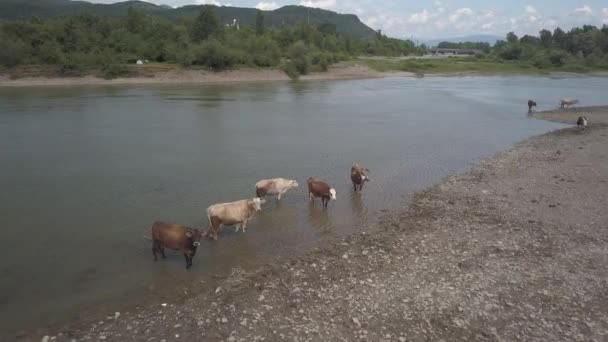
<point>444,18</point>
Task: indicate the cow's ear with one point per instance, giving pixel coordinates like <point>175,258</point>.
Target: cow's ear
<point>188,233</point>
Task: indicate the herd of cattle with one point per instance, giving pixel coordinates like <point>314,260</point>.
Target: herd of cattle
<point>187,240</point>
<point>564,103</point>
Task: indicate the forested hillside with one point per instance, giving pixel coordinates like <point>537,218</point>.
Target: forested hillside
<point>77,44</point>
<point>346,24</point>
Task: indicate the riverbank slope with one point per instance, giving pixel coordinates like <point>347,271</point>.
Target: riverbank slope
<point>144,75</point>
<point>516,249</point>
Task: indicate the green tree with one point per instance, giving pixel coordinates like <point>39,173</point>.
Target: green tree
<point>259,22</point>
<point>512,37</point>
<point>546,38</point>
<point>205,24</point>
<point>559,38</point>
<point>135,20</point>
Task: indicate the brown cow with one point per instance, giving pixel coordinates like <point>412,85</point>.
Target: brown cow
<point>358,176</point>
<point>531,104</point>
<point>318,188</point>
<point>177,238</point>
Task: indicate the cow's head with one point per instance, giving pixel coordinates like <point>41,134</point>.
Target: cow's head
<point>195,235</point>
<point>293,184</point>
<point>256,203</point>
<point>332,194</point>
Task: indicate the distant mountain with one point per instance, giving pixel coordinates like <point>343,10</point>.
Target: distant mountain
<point>482,38</point>
<point>346,24</point>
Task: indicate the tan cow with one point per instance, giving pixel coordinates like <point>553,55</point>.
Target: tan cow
<point>566,103</point>
<point>233,213</point>
<point>358,176</point>
<point>272,187</point>
<point>318,188</point>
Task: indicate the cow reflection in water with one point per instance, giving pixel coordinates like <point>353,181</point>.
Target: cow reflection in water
<point>357,204</point>
<point>319,218</point>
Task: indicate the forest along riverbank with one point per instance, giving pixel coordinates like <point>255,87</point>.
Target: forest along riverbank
<point>342,71</point>
<point>515,249</point>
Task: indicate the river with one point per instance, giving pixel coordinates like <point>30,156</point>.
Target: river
<point>87,170</point>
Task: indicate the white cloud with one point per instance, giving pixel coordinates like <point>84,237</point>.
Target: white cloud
<point>439,6</point>
<point>325,4</point>
<point>267,6</point>
<point>459,14</point>
<point>605,14</point>
<point>585,10</point>
<point>419,18</point>
<point>488,26</point>
<point>384,22</point>
<point>530,10</point>
<point>212,2</point>
<point>487,15</point>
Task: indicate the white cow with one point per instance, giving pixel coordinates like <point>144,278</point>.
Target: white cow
<point>272,187</point>
<point>567,102</point>
<point>233,213</point>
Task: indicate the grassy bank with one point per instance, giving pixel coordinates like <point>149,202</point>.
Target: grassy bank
<point>473,65</point>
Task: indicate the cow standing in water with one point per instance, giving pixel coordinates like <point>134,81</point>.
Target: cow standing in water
<point>274,187</point>
<point>531,105</point>
<point>234,213</point>
<point>566,103</point>
<point>177,238</point>
<point>358,176</point>
<point>582,122</point>
<point>318,188</point>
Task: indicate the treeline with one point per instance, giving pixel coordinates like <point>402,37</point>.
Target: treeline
<point>79,44</point>
<point>579,49</point>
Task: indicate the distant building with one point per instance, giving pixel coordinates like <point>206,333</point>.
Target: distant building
<point>235,24</point>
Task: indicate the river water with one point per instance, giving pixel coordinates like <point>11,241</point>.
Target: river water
<point>86,170</point>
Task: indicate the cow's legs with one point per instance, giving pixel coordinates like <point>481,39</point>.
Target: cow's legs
<point>238,226</point>
<point>244,225</point>
<point>187,260</point>
<point>355,185</point>
<point>279,196</point>
<point>154,247</point>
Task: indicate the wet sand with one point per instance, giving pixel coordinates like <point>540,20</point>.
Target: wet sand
<point>341,71</point>
<point>516,249</point>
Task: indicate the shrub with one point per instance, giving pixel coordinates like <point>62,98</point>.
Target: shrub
<point>299,57</point>
<point>215,56</point>
<point>12,52</point>
<point>114,70</point>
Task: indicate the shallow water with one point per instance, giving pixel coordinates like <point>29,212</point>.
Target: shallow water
<point>85,172</point>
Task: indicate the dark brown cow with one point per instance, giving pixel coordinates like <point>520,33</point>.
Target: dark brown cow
<point>531,104</point>
<point>318,188</point>
<point>358,176</point>
<point>177,238</point>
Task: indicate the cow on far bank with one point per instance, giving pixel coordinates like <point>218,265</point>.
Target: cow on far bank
<point>175,237</point>
<point>358,176</point>
<point>566,103</point>
<point>531,105</point>
<point>582,122</point>
<point>319,188</point>
<point>274,187</point>
<point>233,213</point>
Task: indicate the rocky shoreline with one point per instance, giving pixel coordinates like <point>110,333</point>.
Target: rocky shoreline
<point>516,249</point>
